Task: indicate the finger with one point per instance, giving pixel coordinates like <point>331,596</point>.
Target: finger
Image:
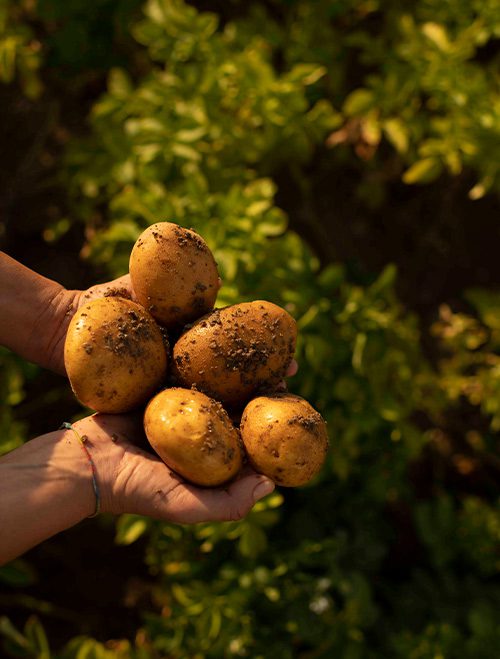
<point>187,504</point>
<point>120,287</point>
<point>291,370</point>
<point>122,284</point>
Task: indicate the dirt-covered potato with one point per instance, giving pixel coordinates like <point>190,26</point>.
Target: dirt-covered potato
<point>285,438</point>
<point>173,274</point>
<point>115,355</point>
<point>194,436</point>
<point>233,352</point>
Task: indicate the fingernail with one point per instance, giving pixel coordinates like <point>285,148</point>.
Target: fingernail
<point>263,488</point>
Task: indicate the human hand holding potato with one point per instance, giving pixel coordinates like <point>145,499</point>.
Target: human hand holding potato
<point>227,355</point>
<point>115,334</point>
<point>46,484</point>
<point>132,480</point>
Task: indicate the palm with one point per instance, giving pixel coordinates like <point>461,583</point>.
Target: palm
<point>135,481</point>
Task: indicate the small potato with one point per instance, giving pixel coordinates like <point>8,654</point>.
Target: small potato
<point>115,355</point>
<point>194,436</point>
<point>233,352</point>
<point>173,274</point>
<point>285,438</point>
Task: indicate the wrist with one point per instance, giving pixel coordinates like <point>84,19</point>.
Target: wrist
<point>106,450</point>
<point>34,314</point>
<point>45,489</point>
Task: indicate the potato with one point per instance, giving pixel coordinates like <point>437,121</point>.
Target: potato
<point>173,274</point>
<point>284,438</point>
<point>235,351</point>
<point>115,355</point>
<point>194,436</point>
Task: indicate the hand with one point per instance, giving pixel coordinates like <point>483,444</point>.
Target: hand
<point>46,484</point>
<point>132,480</point>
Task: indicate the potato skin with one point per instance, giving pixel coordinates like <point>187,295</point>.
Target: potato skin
<point>115,355</point>
<point>194,436</point>
<point>235,351</point>
<point>285,438</point>
<point>173,274</point>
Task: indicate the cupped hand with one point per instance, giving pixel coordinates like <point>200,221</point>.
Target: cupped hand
<point>132,480</point>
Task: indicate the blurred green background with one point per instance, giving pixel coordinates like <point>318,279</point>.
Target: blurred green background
<point>341,158</point>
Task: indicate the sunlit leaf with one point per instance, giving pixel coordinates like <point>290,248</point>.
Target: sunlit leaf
<point>358,102</point>
<point>423,171</point>
<point>130,528</point>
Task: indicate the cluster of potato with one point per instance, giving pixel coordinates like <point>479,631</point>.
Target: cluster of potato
<point>118,358</point>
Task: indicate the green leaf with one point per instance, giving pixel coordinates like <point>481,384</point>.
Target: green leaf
<point>332,276</point>
<point>385,280</point>
<point>359,102</point>
<point>215,623</point>
<point>252,541</point>
<point>82,647</point>
<point>36,633</point>
<point>181,595</point>
<point>8,630</point>
<point>423,171</point>
<point>397,133</point>
<point>357,354</point>
<point>119,84</point>
<point>487,304</point>
<point>191,134</point>
<point>307,74</point>
<point>130,528</point>
<point>186,152</point>
<point>258,207</point>
<point>17,573</point>
<point>437,34</point>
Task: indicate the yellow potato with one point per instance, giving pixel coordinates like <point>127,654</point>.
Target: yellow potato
<point>194,436</point>
<point>173,274</point>
<point>115,355</point>
<point>285,438</point>
<point>233,352</point>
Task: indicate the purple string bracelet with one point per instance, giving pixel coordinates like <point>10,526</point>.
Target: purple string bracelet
<point>67,426</point>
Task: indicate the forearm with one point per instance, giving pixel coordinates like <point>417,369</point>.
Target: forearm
<point>46,487</point>
<point>34,313</point>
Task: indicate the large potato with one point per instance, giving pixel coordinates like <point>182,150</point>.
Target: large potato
<point>173,274</point>
<point>285,438</point>
<point>115,355</point>
<point>194,436</point>
<point>233,352</point>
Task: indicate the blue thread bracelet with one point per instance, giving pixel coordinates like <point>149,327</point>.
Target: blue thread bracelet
<point>67,426</point>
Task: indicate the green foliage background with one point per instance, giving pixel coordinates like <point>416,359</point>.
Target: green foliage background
<point>209,113</point>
